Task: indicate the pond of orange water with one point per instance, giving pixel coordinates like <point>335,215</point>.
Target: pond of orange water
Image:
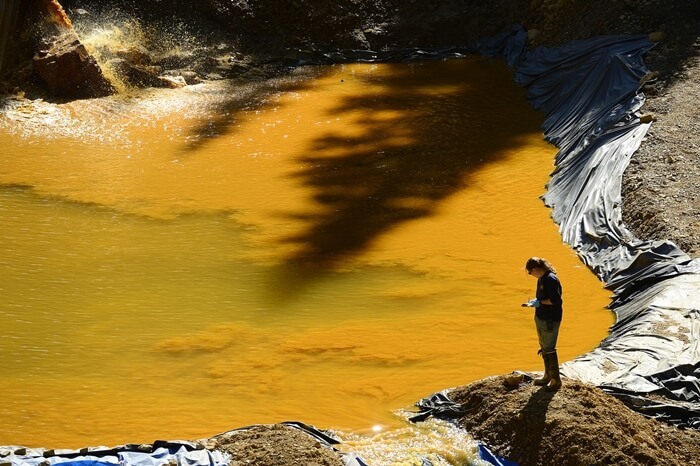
<point>329,247</point>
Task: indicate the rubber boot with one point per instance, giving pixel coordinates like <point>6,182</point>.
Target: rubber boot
<point>545,378</point>
<point>555,382</point>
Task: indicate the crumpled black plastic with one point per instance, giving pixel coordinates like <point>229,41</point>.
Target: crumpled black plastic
<point>439,405</point>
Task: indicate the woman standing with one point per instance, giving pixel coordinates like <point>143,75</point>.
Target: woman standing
<point>548,314</point>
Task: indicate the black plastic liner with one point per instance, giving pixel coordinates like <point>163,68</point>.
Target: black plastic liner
<point>590,94</point>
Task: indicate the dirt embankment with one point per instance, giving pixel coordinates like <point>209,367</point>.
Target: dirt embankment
<point>577,425</point>
<point>274,445</point>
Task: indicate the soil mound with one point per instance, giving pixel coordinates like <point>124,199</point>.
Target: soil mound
<point>577,425</point>
<point>274,445</point>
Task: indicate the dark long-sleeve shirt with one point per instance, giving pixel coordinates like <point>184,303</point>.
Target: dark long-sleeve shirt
<point>549,287</point>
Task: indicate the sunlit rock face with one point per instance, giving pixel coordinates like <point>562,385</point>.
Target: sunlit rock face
<point>67,69</point>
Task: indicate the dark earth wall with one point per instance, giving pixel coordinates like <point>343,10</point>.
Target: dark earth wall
<point>272,26</point>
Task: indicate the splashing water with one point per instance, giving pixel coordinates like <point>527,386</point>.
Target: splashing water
<point>58,14</point>
<point>112,36</point>
<point>435,442</point>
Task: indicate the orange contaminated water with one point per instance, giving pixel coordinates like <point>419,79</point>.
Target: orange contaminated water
<point>328,247</point>
<point>58,14</point>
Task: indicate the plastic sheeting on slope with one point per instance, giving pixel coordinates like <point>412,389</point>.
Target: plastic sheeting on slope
<point>589,93</point>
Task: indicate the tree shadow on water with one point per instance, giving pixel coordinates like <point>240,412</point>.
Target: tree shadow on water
<point>424,131</point>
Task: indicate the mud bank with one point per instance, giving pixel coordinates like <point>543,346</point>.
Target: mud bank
<point>578,425</point>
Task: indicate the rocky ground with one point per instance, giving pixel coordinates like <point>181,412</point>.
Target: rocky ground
<point>661,198</point>
<point>579,424</point>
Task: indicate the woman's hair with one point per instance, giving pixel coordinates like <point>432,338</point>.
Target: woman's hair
<point>539,263</point>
